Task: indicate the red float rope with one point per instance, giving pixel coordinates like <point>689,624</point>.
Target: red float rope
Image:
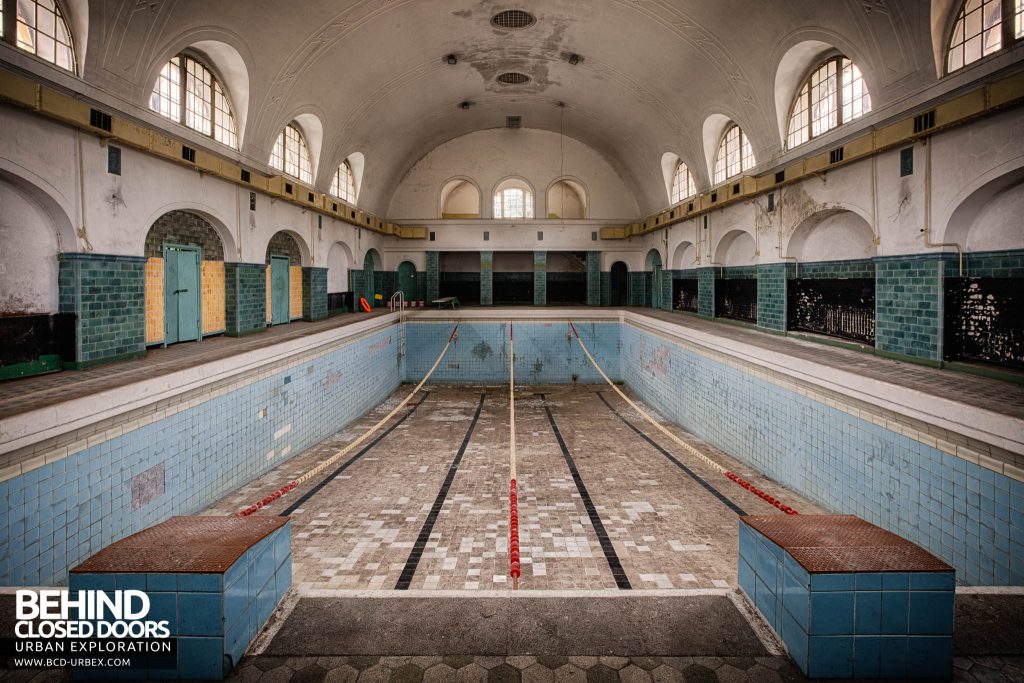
<point>514,566</point>
<point>687,447</point>
<point>292,485</point>
<point>513,518</point>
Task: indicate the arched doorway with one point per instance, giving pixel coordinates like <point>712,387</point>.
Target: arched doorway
<point>284,279</point>
<point>184,279</point>
<point>654,266</point>
<point>619,290</point>
<point>407,280</point>
<point>371,262</point>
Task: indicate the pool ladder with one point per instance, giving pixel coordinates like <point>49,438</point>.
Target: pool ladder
<point>400,296</point>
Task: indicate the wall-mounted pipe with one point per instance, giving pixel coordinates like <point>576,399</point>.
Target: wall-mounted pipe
<point>927,229</point>
<point>778,245</point>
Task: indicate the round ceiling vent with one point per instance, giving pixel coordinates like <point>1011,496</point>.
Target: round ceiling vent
<point>513,78</point>
<point>514,19</point>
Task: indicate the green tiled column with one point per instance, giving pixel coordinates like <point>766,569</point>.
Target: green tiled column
<point>639,289</point>
<point>666,289</point>
<point>486,278</point>
<point>355,285</point>
<point>771,295</point>
<point>593,278</point>
<point>107,294</point>
<point>433,282</point>
<point>909,302</point>
<point>245,290</point>
<point>540,278</point>
<point>606,288</point>
<point>314,293</point>
<point>706,292</point>
<point>386,282</point>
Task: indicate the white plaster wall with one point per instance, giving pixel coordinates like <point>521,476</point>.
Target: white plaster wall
<point>558,262</point>
<point>464,199</point>
<point>460,262</point>
<point>513,262</point>
<point>838,236</point>
<point>28,254</point>
<point>1000,225</point>
<point>489,156</point>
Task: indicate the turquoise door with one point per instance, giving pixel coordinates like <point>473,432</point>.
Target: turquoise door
<point>407,280</point>
<point>181,294</point>
<point>280,306</point>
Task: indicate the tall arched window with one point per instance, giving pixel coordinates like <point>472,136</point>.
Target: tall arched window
<point>291,154</point>
<point>735,155</point>
<point>344,183</point>
<point>834,94</point>
<point>980,30</point>
<point>682,184</point>
<point>188,92</point>
<point>513,199</point>
<point>40,28</point>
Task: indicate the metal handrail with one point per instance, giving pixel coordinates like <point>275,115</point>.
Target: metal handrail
<point>400,295</point>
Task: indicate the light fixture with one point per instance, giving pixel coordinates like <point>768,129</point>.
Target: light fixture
<point>465,104</point>
<point>453,60</point>
<point>574,59</point>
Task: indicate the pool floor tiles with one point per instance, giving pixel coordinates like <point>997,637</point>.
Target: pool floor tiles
<point>358,529</point>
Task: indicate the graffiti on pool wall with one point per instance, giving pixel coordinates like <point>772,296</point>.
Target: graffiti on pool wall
<point>655,362</point>
<point>331,379</point>
<point>382,344</point>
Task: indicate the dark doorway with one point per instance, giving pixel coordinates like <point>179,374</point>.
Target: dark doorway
<point>619,292</point>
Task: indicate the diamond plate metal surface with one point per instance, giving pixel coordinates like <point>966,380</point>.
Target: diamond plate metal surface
<point>844,543</point>
<point>184,545</point>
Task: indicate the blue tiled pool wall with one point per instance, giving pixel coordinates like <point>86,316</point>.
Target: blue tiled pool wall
<point>844,625</point>
<point>969,516</point>
<point>56,516</point>
<point>546,352</point>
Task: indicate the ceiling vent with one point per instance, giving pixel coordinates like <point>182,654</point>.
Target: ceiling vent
<point>513,121</point>
<point>513,19</point>
<point>513,78</point>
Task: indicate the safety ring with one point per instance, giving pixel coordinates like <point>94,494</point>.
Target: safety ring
<point>365,306</point>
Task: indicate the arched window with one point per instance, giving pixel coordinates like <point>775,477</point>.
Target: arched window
<point>344,183</point>
<point>513,199</point>
<point>291,154</point>
<point>834,94</point>
<point>682,184</point>
<point>980,30</point>
<point>735,155</point>
<point>41,29</point>
<point>186,81</point>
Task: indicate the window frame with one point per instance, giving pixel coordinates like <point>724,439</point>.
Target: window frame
<point>722,142</point>
<point>352,183</point>
<point>529,200</point>
<point>1011,12</point>
<point>690,184</point>
<point>216,82</point>
<point>805,92</point>
<point>302,143</point>
<point>9,20</point>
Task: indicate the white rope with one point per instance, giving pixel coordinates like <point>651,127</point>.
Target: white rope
<point>689,449</point>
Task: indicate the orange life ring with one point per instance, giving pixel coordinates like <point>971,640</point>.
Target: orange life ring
<point>366,306</point>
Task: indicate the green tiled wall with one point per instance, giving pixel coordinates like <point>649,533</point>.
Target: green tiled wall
<point>540,278</point>
<point>245,289</point>
<point>860,268</point>
<point>433,275</point>
<point>595,278</point>
<point>486,278</point>
<point>706,291</point>
<point>639,289</point>
<point>909,302</point>
<point>1009,263</point>
<point>771,295</point>
<point>606,288</point>
<point>314,293</point>
<point>666,290</point>
<point>108,296</point>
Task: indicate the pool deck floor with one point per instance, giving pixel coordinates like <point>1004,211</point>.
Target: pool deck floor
<point>666,528</point>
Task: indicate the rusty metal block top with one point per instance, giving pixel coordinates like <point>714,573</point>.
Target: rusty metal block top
<point>184,545</point>
<point>844,543</point>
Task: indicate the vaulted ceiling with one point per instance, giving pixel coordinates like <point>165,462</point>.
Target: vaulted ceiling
<point>374,71</point>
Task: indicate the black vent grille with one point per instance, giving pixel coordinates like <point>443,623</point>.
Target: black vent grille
<point>714,197</point>
<point>780,176</point>
<point>246,176</point>
<point>514,19</point>
<point>923,122</point>
<point>99,119</point>
<point>310,197</point>
<point>288,188</point>
<point>188,154</point>
<point>836,155</point>
<point>513,121</point>
<point>513,78</point>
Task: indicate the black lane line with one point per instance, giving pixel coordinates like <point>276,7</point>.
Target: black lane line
<point>342,467</point>
<point>421,541</point>
<point>621,581</point>
<point>693,475</point>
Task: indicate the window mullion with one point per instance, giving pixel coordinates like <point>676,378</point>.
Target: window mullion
<point>182,76</point>
<point>1008,25</point>
<point>11,22</point>
<point>839,91</point>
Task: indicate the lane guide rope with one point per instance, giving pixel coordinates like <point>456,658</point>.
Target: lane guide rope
<point>687,447</point>
<point>292,485</point>
<point>514,565</point>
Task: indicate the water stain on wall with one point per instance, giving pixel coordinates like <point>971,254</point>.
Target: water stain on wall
<point>482,351</point>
